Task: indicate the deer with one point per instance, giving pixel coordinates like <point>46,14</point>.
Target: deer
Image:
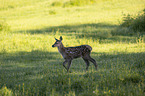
<point>70,53</point>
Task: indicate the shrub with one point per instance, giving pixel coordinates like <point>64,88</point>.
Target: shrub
<point>127,20</point>
<point>139,23</point>
<point>136,23</point>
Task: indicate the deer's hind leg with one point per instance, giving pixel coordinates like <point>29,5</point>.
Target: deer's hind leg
<point>93,61</point>
<point>87,63</point>
<point>88,57</point>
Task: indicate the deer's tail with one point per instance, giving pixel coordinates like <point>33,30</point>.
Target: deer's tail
<point>89,47</point>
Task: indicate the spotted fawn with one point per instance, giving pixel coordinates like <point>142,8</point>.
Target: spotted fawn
<point>70,53</point>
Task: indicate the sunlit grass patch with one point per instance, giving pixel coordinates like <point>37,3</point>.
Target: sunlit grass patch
<point>5,91</point>
<point>30,66</point>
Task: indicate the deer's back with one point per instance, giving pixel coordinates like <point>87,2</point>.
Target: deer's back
<point>78,51</point>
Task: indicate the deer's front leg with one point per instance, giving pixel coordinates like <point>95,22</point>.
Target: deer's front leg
<point>69,64</point>
<point>64,64</point>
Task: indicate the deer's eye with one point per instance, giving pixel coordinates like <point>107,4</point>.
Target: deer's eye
<point>56,42</point>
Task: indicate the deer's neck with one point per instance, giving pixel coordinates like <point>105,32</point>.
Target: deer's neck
<point>61,48</point>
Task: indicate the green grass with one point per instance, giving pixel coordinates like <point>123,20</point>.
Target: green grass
<point>30,66</point>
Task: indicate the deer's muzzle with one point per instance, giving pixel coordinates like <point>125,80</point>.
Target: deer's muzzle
<point>53,46</point>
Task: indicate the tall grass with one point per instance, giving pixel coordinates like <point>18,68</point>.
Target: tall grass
<point>30,66</point>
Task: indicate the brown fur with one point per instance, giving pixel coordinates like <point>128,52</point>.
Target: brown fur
<point>70,53</point>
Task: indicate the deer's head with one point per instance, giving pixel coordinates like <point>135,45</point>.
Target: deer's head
<point>57,42</point>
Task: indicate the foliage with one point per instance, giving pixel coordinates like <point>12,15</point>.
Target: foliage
<point>136,23</point>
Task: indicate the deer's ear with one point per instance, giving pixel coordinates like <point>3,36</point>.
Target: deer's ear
<point>56,39</point>
<point>60,37</point>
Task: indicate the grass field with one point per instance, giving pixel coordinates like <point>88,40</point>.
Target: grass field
<point>29,66</point>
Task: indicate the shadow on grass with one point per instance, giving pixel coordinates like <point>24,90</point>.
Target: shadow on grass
<point>26,57</point>
<point>42,73</point>
<point>93,31</point>
<point>108,32</point>
<point>20,67</point>
<point>69,29</point>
